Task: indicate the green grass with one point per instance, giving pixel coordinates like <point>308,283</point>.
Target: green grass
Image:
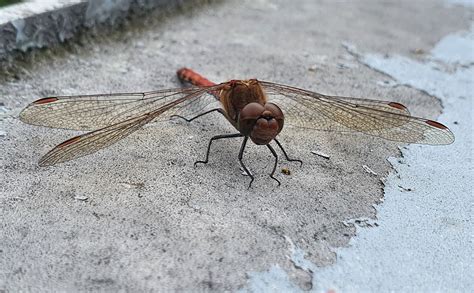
<point>8,2</point>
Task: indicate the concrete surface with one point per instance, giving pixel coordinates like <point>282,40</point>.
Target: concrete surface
<point>37,24</point>
<point>137,216</point>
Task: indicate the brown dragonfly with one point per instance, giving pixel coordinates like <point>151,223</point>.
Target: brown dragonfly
<point>244,103</point>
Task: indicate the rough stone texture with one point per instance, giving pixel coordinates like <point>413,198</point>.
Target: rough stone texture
<point>41,24</point>
<point>151,220</point>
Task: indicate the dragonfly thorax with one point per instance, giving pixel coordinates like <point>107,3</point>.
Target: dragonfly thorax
<point>246,107</point>
<point>236,94</point>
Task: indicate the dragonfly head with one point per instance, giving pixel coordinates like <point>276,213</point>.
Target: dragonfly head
<point>261,123</point>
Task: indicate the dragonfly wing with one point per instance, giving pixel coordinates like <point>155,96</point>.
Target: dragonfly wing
<point>389,120</point>
<point>91,142</point>
<point>193,107</point>
<point>90,112</point>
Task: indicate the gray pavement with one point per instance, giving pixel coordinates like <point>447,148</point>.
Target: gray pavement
<point>138,216</point>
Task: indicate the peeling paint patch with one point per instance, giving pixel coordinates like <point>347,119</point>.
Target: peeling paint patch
<point>276,279</point>
<point>457,48</point>
<point>297,257</point>
<point>427,76</point>
<point>424,240</point>
<point>465,3</point>
<point>273,280</point>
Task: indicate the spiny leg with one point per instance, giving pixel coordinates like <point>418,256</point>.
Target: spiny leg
<point>275,165</point>
<point>202,114</point>
<point>210,142</point>
<point>241,154</point>
<point>286,155</point>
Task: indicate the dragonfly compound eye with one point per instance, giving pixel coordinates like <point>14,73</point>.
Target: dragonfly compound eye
<point>248,117</point>
<point>261,122</point>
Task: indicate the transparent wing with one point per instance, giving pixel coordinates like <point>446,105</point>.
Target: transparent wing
<point>90,112</point>
<point>93,141</point>
<point>384,119</point>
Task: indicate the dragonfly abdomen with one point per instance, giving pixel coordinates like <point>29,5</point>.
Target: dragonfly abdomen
<point>186,74</point>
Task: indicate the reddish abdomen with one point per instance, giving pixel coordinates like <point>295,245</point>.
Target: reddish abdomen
<point>186,74</point>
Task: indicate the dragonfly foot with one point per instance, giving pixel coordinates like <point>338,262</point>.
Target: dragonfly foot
<point>278,181</point>
<point>286,155</point>
<point>200,162</point>
<point>295,160</point>
<point>178,116</point>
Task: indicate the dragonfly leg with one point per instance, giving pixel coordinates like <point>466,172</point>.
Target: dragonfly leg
<point>275,165</point>
<point>241,154</point>
<point>210,143</point>
<point>286,155</point>
<point>202,114</point>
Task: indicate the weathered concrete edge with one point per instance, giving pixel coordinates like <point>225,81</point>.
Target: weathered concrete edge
<point>66,20</point>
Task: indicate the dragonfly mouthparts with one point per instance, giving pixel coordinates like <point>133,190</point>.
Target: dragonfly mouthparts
<point>267,115</point>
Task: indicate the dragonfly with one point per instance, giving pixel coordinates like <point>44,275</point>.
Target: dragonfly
<point>257,110</point>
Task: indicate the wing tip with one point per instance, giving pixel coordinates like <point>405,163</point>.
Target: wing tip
<point>450,137</point>
<point>45,161</point>
<point>24,114</point>
<point>448,134</point>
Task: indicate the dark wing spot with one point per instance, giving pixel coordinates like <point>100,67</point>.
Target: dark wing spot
<point>435,124</point>
<point>69,141</point>
<point>397,105</point>
<point>45,100</point>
